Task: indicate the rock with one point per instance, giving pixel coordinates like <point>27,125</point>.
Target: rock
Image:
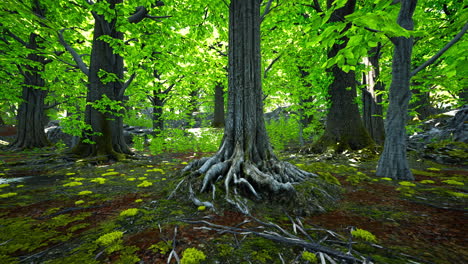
<point>444,139</point>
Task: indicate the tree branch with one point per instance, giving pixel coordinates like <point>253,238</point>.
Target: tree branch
<point>266,11</point>
<point>441,52</point>
<point>270,66</point>
<point>126,84</point>
<point>317,7</point>
<point>11,34</point>
<point>79,61</point>
<point>139,15</point>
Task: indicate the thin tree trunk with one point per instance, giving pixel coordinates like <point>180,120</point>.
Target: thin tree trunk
<point>158,104</point>
<point>372,109</point>
<point>393,162</point>
<point>422,105</point>
<point>218,119</point>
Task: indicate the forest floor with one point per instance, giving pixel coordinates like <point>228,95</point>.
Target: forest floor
<point>53,210</point>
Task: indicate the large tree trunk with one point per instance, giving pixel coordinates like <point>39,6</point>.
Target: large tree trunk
<point>371,98</point>
<point>218,119</point>
<point>30,116</point>
<point>106,124</point>
<point>393,162</point>
<point>245,158</point>
<point>344,128</point>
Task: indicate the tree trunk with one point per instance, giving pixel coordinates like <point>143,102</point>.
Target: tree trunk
<point>422,105</point>
<point>106,124</point>
<point>393,162</point>
<point>245,158</point>
<point>344,128</point>
<point>30,116</point>
<point>371,98</point>
<point>158,104</point>
<point>218,119</point>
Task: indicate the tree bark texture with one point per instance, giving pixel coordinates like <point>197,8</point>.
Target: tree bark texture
<point>30,116</point>
<point>245,159</point>
<point>393,162</point>
<point>218,120</point>
<point>158,104</point>
<point>371,98</point>
<point>344,128</point>
<point>107,127</point>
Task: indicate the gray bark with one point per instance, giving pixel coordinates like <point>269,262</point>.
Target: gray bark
<point>245,159</point>
<point>30,126</point>
<point>344,128</point>
<point>107,128</point>
<point>393,162</point>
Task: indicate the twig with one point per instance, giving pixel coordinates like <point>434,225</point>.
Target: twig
<point>173,252</point>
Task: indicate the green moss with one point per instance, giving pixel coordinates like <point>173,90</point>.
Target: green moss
<point>427,181</point>
<point>453,182</point>
<point>112,241</point>
<point>364,235</point>
<point>458,194</point>
<point>192,256</point>
<point>308,256</point>
<point>407,183</point>
<point>72,184</point>
<point>424,173</point>
<point>7,195</point>
<point>129,212</point>
<point>145,184</point>
<point>161,247</point>
<point>328,177</point>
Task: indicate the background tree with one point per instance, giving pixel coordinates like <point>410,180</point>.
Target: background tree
<point>372,96</point>
<point>344,128</point>
<point>30,117</point>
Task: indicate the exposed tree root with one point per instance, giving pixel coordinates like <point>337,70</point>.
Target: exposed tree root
<point>269,179</point>
<point>327,244</point>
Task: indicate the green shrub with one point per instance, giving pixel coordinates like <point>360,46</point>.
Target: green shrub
<point>192,256</point>
<point>178,140</point>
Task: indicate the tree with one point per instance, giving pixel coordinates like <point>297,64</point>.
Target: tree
<point>344,128</point>
<point>106,87</point>
<point>218,119</point>
<point>245,158</point>
<point>30,117</point>
<point>393,162</point>
<point>371,96</point>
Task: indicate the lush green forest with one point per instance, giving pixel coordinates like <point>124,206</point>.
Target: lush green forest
<point>241,131</point>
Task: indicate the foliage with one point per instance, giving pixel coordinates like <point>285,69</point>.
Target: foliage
<point>177,140</point>
<point>192,256</point>
<point>138,143</point>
